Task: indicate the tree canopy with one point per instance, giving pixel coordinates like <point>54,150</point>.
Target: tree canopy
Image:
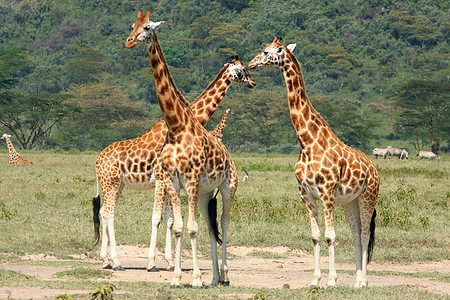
<point>355,56</point>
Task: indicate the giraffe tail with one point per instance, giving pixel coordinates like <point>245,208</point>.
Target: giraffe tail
<point>96,211</point>
<point>212,213</point>
<point>372,236</point>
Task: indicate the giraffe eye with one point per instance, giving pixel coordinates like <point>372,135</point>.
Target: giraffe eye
<point>147,28</point>
<point>280,49</point>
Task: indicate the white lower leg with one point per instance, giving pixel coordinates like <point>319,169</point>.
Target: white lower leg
<point>224,279</point>
<point>114,257</point>
<point>215,261</point>
<point>156,220</point>
<point>104,248</point>
<point>364,280</point>
<point>317,273</point>
<point>176,280</point>
<point>192,227</point>
<point>332,275</point>
<point>168,249</point>
<point>358,259</point>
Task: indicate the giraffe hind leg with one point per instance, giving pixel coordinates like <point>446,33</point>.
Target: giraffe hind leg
<point>206,206</point>
<point>227,191</point>
<point>111,194</point>
<point>352,213</point>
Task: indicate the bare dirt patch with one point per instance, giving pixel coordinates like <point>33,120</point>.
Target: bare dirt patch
<point>248,266</point>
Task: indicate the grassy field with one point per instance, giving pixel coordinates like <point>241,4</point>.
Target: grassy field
<point>46,208</point>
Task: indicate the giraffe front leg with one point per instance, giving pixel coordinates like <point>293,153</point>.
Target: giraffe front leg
<point>330,236</point>
<point>315,233</point>
<point>104,247</point>
<point>192,226</point>
<point>178,231</point>
<point>156,220</point>
<point>169,225</point>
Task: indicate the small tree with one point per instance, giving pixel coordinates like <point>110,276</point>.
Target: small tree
<point>424,107</point>
<point>105,114</point>
<point>31,117</point>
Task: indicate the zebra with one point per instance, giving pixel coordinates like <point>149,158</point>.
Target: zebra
<point>401,153</point>
<point>404,154</point>
<point>427,154</point>
<point>381,152</point>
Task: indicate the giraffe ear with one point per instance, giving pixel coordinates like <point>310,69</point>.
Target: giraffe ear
<point>155,25</point>
<point>291,47</point>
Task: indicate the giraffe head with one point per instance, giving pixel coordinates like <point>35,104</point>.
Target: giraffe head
<point>272,54</point>
<point>143,30</point>
<point>239,73</point>
<point>5,135</point>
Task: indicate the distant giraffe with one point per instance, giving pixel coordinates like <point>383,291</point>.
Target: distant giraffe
<point>14,157</point>
<point>327,169</point>
<point>191,159</point>
<point>218,131</point>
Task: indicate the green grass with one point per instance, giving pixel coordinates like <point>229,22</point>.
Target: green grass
<point>46,208</point>
<point>267,254</point>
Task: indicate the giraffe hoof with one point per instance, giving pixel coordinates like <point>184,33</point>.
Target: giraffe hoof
<point>172,268</point>
<point>152,269</point>
<point>107,267</point>
<point>312,286</point>
<point>174,287</point>
<point>118,268</point>
<point>224,283</point>
<point>197,287</point>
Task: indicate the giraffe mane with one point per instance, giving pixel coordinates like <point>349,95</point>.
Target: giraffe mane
<point>163,61</point>
<point>213,82</point>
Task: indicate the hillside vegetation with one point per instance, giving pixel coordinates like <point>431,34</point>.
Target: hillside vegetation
<point>376,70</point>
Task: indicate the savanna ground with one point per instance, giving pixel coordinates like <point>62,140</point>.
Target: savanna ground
<point>46,235</point>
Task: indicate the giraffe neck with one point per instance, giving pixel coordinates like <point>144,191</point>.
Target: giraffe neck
<point>219,128</point>
<point>308,123</point>
<point>172,103</point>
<point>12,151</point>
<point>208,102</point>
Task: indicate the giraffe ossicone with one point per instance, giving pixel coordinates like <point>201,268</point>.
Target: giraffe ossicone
<point>327,169</point>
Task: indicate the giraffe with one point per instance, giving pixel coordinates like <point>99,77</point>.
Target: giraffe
<point>327,169</point>
<point>131,163</point>
<point>14,157</point>
<point>218,131</point>
<point>191,159</point>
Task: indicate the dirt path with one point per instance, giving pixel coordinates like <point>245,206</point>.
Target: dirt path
<point>290,267</point>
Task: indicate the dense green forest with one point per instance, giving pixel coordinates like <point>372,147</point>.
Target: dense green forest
<point>377,71</point>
